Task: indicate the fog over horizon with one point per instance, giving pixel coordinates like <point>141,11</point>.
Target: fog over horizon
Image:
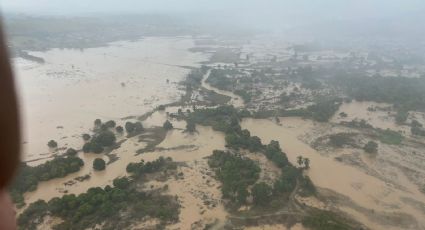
<point>274,14</point>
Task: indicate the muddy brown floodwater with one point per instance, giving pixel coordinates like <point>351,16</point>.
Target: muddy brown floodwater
<point>61,98</point>
<point>382,117</point>
<point>364,190</point>
<point>191,190</point>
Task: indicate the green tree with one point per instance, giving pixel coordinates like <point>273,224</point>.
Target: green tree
<point>401,116</point>
<point>99,164</point>
<point>306,163</point>
<point>87,147</point>
<point>129,127</point>
<point>97,122</point>
<point>300,160</point>
<point>133,128</point>
<point>86,137</point>
<point>71,152</point>
<point>121,182</point>
<point>105,138</point>
<point>371,147</point>
<point>190,126</point>
<point>167,125</point>
<point>52,144</point>
<point>110,124</point>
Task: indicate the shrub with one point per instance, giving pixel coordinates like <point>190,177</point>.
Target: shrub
<point>190,126</point>
<point>167,125</point>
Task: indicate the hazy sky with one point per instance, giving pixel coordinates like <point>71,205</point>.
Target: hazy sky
<point>261,13</point>
<point>333,8</point>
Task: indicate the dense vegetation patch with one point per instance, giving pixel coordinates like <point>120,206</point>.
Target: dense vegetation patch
<point>341,139</point>
<point>325,220</point>
<point>239,174</point>
<point>390,137</point>
<point>405,93</point>
<point>140,169</point>
<point>103,137</point>
<point>113,207</point>
<point>417,128</point>
<point>29,176</point>
<point>236,173</point>
<point>321,111</point>
<point>220,78</point>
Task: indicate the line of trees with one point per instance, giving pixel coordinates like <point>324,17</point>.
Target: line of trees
<point>106,205</point>
<point>29,176</point>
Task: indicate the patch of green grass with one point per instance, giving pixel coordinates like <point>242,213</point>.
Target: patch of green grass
<point>390,137</point>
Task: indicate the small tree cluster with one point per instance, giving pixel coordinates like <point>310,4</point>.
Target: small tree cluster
<point>133,128</point>
<point>99,141</point>
<point>303,162</point>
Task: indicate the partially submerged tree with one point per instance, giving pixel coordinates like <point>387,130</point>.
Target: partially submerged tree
<point>71,152</point>
<point>167,125</point>
<point>133,128</point>
<point>99,164</point>
<point>52,144</point>
<point>190,126</point>
<point>306,163</point>
<point>110,124</point>
<point>300,160</point>
<point>97,122</point>
<point>105,138</point>
<point>86,136</point>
